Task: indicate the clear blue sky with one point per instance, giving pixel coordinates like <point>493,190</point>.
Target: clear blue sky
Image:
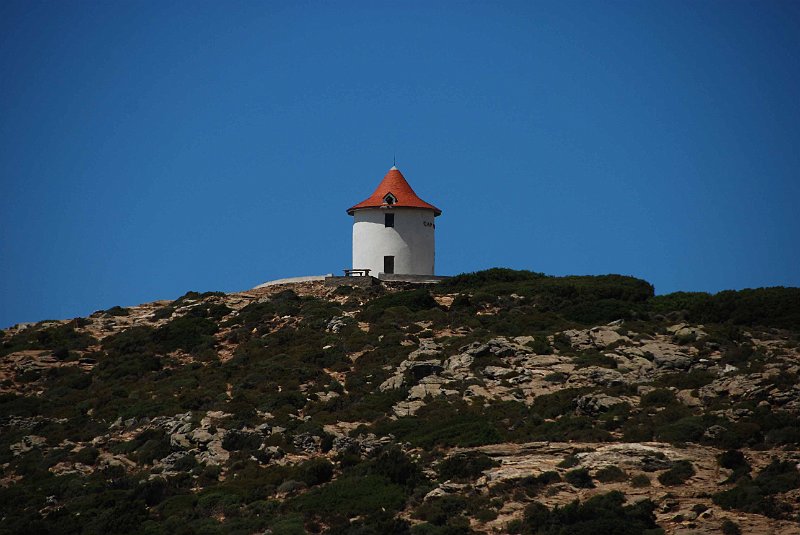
<point>150,148</point>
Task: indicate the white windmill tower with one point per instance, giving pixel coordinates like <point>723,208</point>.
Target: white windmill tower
<point>393,230</point>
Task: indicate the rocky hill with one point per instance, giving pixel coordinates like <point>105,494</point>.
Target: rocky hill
<point>496,402</point>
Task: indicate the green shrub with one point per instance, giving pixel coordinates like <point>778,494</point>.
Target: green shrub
<point>451,511</point>
<point>118,367</point>
<point>393,464</point>
<point>487,277</point>
<point>411,300</point>
<point>87,455</point>
<point>769,307</point>
<point>778,476</point>
<point>549,303</point>
<point>660,397</point>
<point>465,466</point>
<point>678,474</point>
<point>199,307</point>
<point>317,471</point>
<point>152,450</point>
<point>187,333</point>
<point>531,485</point>
<point>734,460</point>
<point>592,357</point>
<point>540,346</point>
<point>440,509</point>
<point>604,513</point>
<point>558,403</point>
<point>350,496</point>
<point>579,478</point>
<point>556,377</point>
<point>609,474</point>
<point>569,461</point>
<point>751,498</point>
<point>288,525</point>
<point>679,301</point>
<point>219,501</point>
<point>729,527</point>
<point>695,378</point>
<point>640,481</point>
<point>137,339</point>
<point>58,337</point>
<point>443,423</point>
<point>688,429</point>
<point>235,440</point>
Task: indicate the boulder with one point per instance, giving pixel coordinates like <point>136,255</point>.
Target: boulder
<point>407,408</point>
<point>214,454</point>
<point>306,442</point>
<point>499,347</point>
<point>336,324</point>
<point>458,366</point>
<point>201,436</point>
<point>496,372</point>
<point>430,386</point>
<point>665,356</point>
<point>168,462</point>
<point>595,375</point>
<point>180,440</point>
<point>631,456</point>
<point>595,338</point>
<point>594,404</point>
<point>427,349</point>
<point>684,331</point>
<point>392,383</point>
<point>27,443</point>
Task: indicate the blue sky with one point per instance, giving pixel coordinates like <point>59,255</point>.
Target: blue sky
<point>151,148</point>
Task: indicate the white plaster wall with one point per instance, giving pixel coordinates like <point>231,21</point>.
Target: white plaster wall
<point>410,241</point>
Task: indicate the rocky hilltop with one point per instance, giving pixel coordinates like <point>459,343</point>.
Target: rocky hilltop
<point>495,402</point>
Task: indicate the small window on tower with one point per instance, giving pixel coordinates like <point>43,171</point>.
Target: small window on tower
<point>389,221</point>
<point>389,198</point>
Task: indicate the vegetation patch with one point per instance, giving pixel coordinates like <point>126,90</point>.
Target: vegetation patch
<point>63,337</point>
<point>465,466</point>
<point>680,472</point>
<point>351,496</point>
<point>758,495</point>
<point>604,513</point>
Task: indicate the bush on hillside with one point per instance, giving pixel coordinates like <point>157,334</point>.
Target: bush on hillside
<point>58,337</point>
<point>412,300</point>
<point>736,461</point>
<point>610,474</point>
<point>680,472</point>
<point>768,307</point>
<point>465,466</point>
<point>585,299</point>
<point>188,333</point>
<point>579,478</point>
<point>604,513</point>
<point>442,423</point>
<point>350,496</point>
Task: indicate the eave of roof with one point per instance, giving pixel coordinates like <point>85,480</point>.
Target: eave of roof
<point>395,183</point>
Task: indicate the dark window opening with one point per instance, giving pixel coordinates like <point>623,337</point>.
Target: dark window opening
<point>388,264</point>
<point>389,199</point>
<point>389,220</point>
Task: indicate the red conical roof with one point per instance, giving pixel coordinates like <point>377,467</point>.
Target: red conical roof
<point>395,183</point>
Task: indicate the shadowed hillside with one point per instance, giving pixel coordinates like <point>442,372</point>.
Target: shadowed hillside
<point>494,402</point>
